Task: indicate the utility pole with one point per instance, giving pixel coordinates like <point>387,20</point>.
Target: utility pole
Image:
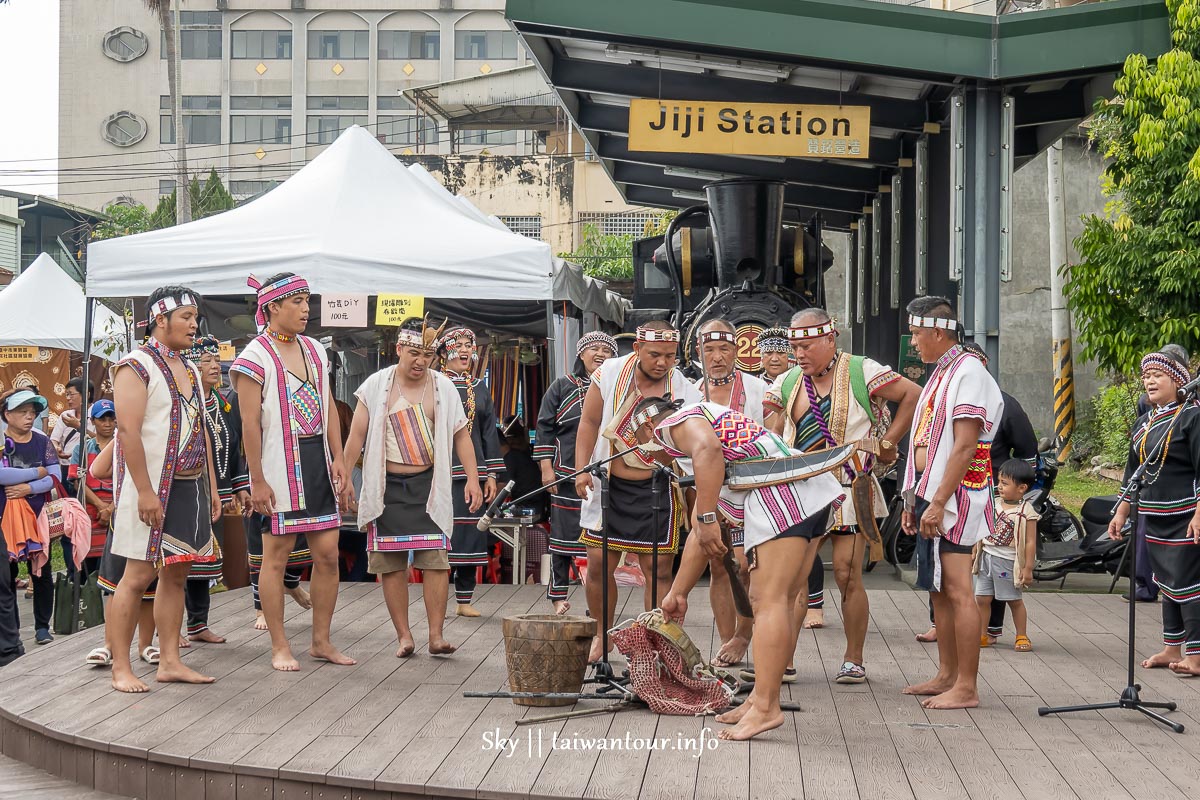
<point>183,195</point>
<point>1060,317</point>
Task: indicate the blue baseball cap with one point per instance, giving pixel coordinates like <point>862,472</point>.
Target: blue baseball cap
<point>102,408</point>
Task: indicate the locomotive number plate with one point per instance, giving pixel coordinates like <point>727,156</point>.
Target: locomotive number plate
<point>748,357</point>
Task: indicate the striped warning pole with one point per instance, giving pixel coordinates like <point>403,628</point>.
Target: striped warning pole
<point>1064,396</point>
<point>1060,316</point>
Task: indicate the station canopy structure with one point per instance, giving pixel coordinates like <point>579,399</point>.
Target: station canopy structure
<point>957,102</point>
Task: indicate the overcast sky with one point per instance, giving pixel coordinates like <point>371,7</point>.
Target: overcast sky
<point>29,94</point>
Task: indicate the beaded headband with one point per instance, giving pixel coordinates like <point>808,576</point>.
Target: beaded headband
<point>774,340</point>
<point>424,339</point>
<point>593,338</point>
<point>655,335</point>
<point>453,334</point>
<point>274,292</point>
<point>1168,366</point>
<point>647,414</point>
<point>203,346</point>
<point>812,332</point>
<point>169,303</point>
<point>717,336</point>
<point>932,322</point>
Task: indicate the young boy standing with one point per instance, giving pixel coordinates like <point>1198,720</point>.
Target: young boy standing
<point>1004,560</point>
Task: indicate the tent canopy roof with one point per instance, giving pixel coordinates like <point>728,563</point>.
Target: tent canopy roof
<point>44,307</point>
<point>353,219</point>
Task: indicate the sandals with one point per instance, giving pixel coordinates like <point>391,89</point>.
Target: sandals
<point>100,657</point>
<point>150,655</point>
<point>789,675</point>
<point>985,641</point>
<point>851,673</point>
<point>1023,645</point>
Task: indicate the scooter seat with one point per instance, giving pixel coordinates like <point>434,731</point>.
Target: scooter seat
<point>1098,510</point>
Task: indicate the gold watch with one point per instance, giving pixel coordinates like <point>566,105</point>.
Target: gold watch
<point>886,446</point>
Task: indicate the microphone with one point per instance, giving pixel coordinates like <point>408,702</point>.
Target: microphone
<point>485,522</point>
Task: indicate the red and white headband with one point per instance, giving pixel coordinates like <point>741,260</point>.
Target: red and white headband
<point>717,336</point>
<point>655,335</point>
<point>168,304</point>
<point>813,331</point>
<point>932,322</point>
<point>274,292</point>
<point>453,335</point>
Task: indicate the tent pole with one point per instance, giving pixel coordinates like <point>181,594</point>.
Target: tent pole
<point>556,369</point>
<point>88,316</point>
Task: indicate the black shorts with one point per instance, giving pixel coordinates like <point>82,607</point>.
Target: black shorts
<point>811,528</point>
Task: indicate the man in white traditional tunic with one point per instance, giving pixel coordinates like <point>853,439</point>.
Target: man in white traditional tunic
<point>408,417</point>
<point>948,492</point>
<point>725,385</point>
<point>166,495</point>
<point>293,446</point>
<point>783,523</point>
<point>607,422</point>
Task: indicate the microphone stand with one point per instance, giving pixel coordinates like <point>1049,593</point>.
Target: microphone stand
<point>1131,696</point>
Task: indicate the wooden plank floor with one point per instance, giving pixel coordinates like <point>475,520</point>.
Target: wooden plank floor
<point>391,728</point>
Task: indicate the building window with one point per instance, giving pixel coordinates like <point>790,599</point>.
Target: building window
<point>408,130</point>
<point>201,44</point>
<point>263,103</point>
<point>259,129</point>
<point>324,130</point>
<point>410,45</point>
<point>526,226</point>
<point>342,45</point>
<point>394,102</point>
<point>206,18</point>
<point>487,137</point>
<point>619,224</point>
<point>166,187</point>
<point>123,129</point>
<point>251,188</point>
<point>193,102</point>
<point>125,44</point>
<point>334,103</point>
<point>200,128</point>
<point>483,45</point>
<point>261,44</point>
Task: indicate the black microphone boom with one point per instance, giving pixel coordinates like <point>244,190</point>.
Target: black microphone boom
<point>485,522</point>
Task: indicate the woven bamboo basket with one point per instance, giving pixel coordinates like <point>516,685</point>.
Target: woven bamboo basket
<point>547,653</point>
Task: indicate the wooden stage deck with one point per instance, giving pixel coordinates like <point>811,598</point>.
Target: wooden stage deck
<point>401,729</point>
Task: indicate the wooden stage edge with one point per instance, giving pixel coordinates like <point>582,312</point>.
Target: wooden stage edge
<point>392,729</point>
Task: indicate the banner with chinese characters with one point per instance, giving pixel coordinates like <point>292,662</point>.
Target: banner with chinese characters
<point>394,309</point>
<point>753,129</point>
<point>344,310</point>
<point>20,352</point>
<point>227,351</point>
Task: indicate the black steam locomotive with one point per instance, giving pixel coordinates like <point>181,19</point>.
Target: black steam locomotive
<point>732,258</point>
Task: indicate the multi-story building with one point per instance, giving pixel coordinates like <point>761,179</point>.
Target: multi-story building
<point>268,84</point>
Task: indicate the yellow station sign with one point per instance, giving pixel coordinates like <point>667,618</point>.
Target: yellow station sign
<point>751,129</point>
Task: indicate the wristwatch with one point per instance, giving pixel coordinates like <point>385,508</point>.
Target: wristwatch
<point>708,518</point>
<point>886,446</point>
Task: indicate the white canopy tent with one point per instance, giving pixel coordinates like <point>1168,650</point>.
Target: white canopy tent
<point>354,217</point>
<point>43,307</point>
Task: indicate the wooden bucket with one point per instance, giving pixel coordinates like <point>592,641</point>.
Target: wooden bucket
<point>547,653</point>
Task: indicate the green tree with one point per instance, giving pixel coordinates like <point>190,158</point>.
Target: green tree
<point>213,198</point>
<point>122,221</point>
<point>607,256</point>
<point>1135,287</point>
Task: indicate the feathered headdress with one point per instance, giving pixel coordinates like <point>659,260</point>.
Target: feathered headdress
<point>424,339</point>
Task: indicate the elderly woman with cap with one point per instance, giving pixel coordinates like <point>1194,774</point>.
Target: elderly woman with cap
<point>775,349</point>
<point>30,470</point>
<point>554,451</point>
<point>1168,437</point>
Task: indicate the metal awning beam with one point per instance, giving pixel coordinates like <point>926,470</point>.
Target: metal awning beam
<point>664,198</point>
<point>655,177</point>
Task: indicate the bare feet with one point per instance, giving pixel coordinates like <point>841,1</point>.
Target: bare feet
<point>332,655</point>
<point>1164,658</point>
<point>180,673</point>
<point>928,636</point>
<point>1188,667</point>
<point>732,653</point>
<point>753,723</point>
<point>440,647</point>
<point>123,680</point>
<point>260,621</point>
<point>954,698</point>
<point>675,607</point>
<point>735,715</point>
<point>284,661</point>
<point>467,610</point>
<point>184,644</point>
<point>561,607</point>
<point>597,651</point>
<point>301,597</point>
<point>206,636</point>
<point>814,618</point>
<point>407,647</point>
<point>930,688</point>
